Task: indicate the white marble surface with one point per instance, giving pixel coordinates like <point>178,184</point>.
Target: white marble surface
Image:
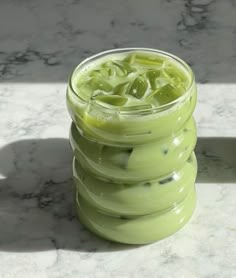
<point>39,45</point>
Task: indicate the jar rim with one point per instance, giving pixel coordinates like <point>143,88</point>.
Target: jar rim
<point>150,110</point>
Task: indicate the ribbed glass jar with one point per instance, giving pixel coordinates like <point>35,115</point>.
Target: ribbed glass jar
<point>134,171</point>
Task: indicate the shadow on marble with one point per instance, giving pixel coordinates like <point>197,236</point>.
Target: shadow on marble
<point>36,200</point>
<point>216,160</point>
<point>36,194</point>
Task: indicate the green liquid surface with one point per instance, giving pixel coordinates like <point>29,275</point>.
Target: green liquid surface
<point>133,81</point>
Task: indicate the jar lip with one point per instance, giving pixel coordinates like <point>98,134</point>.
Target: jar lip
<point>151,110</point>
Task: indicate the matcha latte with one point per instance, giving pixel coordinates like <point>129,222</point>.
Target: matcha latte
<point>133,137</point>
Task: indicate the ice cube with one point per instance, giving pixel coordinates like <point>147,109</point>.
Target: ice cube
<point>121,88</point>
<point>133,108</point>
<point>152,77</point>
<point>129,59</point>
<point>161,81</point>
<point>148,60</point>
<point>138,87</point>
<point>84,91</point>
<point>170,71</point>
<point>124,67</point>
<point>112,99</point>
<point>98,83</point>
<point>165,94</point>
<point>115,69</point>
<point>99,73</point>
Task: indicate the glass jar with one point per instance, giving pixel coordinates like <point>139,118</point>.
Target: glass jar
<point>134,170</point>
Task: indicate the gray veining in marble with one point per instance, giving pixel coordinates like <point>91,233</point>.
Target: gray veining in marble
<point>40,43</point>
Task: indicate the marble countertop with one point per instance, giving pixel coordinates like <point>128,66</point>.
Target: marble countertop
<point>39,46</point>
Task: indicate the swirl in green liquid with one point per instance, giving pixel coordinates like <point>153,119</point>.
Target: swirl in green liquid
<point>133,138</point>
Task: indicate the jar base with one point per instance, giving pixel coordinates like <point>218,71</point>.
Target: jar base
<point>136,230</point>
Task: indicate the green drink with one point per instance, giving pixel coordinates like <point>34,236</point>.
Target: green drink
<point>133,138</point>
